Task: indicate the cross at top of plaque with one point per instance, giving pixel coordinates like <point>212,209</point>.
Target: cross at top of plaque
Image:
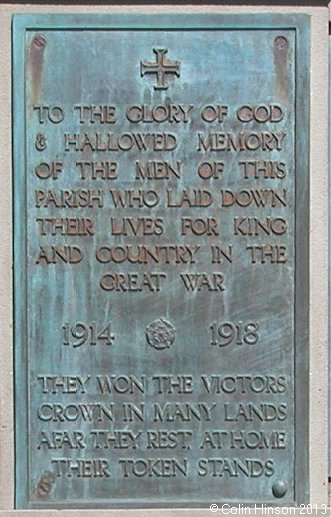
<point>162,67</point>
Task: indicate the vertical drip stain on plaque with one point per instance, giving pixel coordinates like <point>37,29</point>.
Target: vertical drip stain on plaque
<point>281,55</point>
<point>36,60</point>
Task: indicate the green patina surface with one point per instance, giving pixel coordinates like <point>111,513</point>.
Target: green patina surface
<point>150,372</point>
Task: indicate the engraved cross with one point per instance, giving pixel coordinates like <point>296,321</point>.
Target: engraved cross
<point>161,68</point>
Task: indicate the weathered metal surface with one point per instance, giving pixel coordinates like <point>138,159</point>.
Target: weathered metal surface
<point>161,208</point>
<point>329,399</point>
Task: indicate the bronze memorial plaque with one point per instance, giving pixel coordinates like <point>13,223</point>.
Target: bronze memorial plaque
<point>161,215</point>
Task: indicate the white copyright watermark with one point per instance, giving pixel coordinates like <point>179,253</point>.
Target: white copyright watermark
<point>309,509</point>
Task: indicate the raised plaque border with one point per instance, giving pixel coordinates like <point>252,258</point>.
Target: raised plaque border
<point>298,22</point>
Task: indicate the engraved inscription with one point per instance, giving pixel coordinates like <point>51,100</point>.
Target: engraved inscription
<point>158,264</point>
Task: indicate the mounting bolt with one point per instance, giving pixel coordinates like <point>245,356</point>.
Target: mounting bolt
<point>45,484</point>
<point>281,43</point>
<point>40,41</point>
<point>279,488</point>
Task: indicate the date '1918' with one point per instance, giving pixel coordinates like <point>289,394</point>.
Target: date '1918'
<point>227,333</point>
<point>79,334</point>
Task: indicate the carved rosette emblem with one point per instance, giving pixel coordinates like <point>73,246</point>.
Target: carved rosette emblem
<point>160,334</point>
